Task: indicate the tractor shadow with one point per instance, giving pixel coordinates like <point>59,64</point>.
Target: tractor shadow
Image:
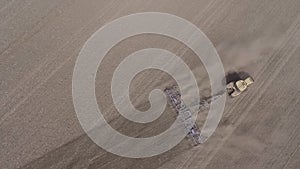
<point>235,76</point>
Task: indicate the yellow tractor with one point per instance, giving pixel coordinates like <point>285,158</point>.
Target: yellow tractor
<point>236,88</point>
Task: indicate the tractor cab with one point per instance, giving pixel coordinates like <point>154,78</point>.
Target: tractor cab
<point>236,88</point>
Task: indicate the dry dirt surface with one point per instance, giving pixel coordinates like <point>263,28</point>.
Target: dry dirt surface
<point>39,44</point>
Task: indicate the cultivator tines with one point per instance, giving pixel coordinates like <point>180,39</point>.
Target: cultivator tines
<point>184,113</point>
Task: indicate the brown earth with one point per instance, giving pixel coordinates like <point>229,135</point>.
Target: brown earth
<point>40,41</point>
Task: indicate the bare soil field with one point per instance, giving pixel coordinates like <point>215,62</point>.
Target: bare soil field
<point>40,41</point>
